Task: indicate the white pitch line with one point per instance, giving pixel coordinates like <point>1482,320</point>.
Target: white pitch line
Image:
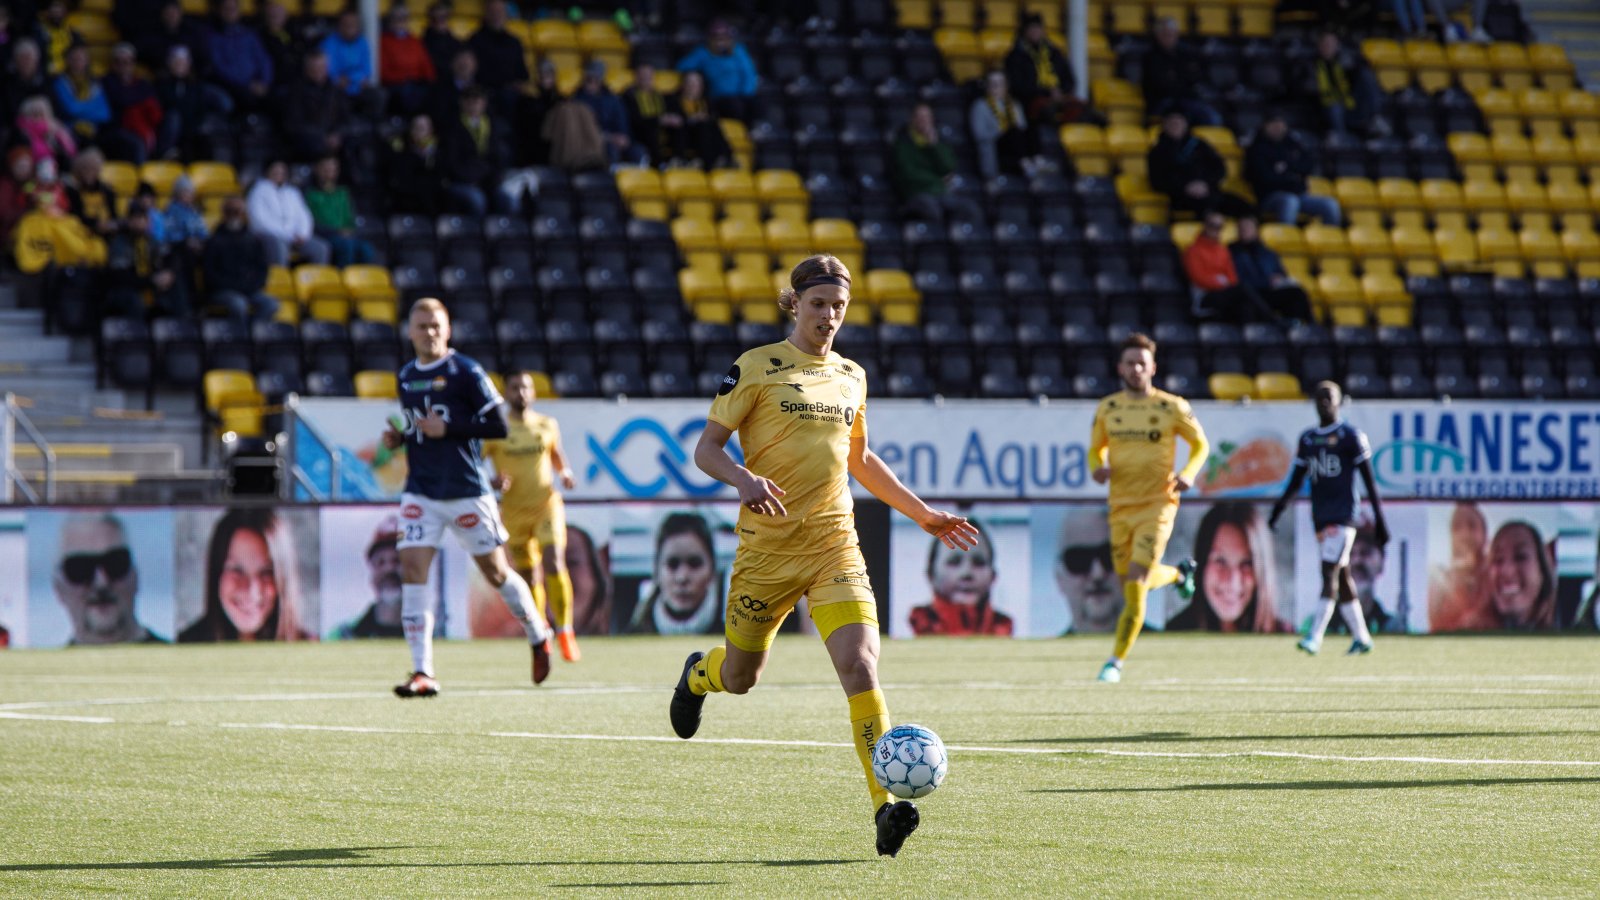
<point>962,748</point>
<point>90,720</point>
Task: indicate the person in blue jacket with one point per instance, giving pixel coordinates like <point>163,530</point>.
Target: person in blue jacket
<point>730,74</point>
<point>1261,272</point>
<point>349,54</point>
<point>239,62</point>
<point>610,114</point>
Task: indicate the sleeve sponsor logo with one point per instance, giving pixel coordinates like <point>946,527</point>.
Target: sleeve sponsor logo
<point>729,381</point>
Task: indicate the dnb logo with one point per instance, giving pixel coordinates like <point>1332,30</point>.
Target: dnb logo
<point>411,511</point>
<point>647,459</point>
<point>467,520</point>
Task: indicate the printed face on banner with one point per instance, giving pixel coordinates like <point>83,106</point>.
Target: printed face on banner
<point>983,591</point>
<point>1075,586</point>
<point>1516,567</point>
<point>246,574</point>
<point>671,567</point>
<point>99,576</point>
<point>1243,569</point>
<point>14,589</point>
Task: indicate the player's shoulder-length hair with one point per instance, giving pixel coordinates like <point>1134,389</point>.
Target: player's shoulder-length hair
<point>1261,615</point>
<point>284,622</point>
<point>811,269</point>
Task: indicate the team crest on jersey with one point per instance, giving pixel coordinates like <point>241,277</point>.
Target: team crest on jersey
<point>439,383</point>
<point>467,520</point>
<point>846,390</point>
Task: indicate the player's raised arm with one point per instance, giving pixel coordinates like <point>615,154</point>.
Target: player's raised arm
<point>876,476</point>
<point>1188,428</point>
<point>711,455</point>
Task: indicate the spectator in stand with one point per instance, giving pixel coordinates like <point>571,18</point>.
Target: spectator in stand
<point>138,21</point>
<point>144,197</point>
<point>1189,170</point>
<point>610,115</point>
<point>1000,129</point>
<point>279,217</point>
<point>89,198</point>
<point>284,42</point>
<point>15,199</point>
<point>473,155</point>
<point>502,63</point>
<point>141,274</point>
<point>134,105</point>
<point>730,74</point>
<point>922,169</point>
<point>46,236</point>
<point>647,113</point>
<point>574,137</point>
<point>58,36</point>
<point>444,102</point>
<point>235,266</point>
<point>1261,272</point>
<point>186,105</point>
<point>315,111</point>
<point>1041,78</point>
<point>349,54</point>
<point>174,29</point>
<point>693,130</point>
<point>184,227</point>
<point>47,179</point>
<point>85,109</point>
<point>530,146</point>
<point>405,69</point>
<point>1347,90</point>
<point>1170,73</point>
<point>1216,289</point>
<point>1443,8</point>
<point>335,216</point>
<point>239,61</point>
<point>24,78</point>
<point>415,181</point>
<point>38,130</point>
<point>441,43</point>
<point>1276,165</point>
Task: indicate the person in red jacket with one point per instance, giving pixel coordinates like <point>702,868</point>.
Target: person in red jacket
<point>1218,295</point>
<point>404,67</point>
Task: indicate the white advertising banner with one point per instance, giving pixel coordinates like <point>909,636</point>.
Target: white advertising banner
<point>1020,450</point>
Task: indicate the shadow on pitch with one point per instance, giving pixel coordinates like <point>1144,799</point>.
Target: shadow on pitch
<point>1325,785</point>
<point>358,858</point>
<point>636,884</point>
<point>1184,737</point>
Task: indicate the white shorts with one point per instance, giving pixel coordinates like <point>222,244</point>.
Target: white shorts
<point>474,520</point>
<point>1334,543</point>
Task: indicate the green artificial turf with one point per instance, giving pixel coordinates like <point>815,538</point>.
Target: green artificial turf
<point>1148,788</point>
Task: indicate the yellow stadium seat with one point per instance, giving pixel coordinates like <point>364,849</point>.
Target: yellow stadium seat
<point>958,13</point>
<point>1339,289</point>
<point>1088,148</point>
<point>1277,386</point>
<point>376,384</point>
<point>1127,140</point>
<point>1393,315</point>
<point>1231,386</point>
<point>1542,251</point>
<point>218,384</point>
<point>900,314</point>
<point>1383,52</point>
<point>695,234</point>
<point>1554,150</point>
<point>1470,64</point>
<point>1441,195</point>
<point>961,51</point>
<point>1497,245</point>
<point>914,14</point>
<point>735,190</point>
<point>1527,196</point>
<point>891,286</point>
<point>1580,246</point>
<point>836,236</point>
<point>1379,289</point>
<point>1285,239</point>
<point>1256,21</point>
<point>1428,64</point>
<point>1549,60</point>
<point>1580,108</point>
<point>1411,243</point>
<point>372,293</point>
<point>1366,242</point>
<point>1455,247</point>
<point>1498,104</point>
<point>994,44</point>
<point>1326,240</point>
<point>160,174</point>
<point>1469,147</point>
<point>1128,18</point>
<point>1356,193</point>
<point>121,177</point>
<point>1221,139</point>
<point>787,238</point>
<point>1048,10</point>
<point>690,192</point>
<point>1511,65</point>
<point>782,188</point>
<point>1536,104</point>
<point>744,287</point>
<point>699,285</point>
<point>639,184</point>
<point>214,179</point>
<point>1480,196</point>
<point>1399,194</point>
<point>312,281</point>
<point>599,34</point>
<point>231,397</point>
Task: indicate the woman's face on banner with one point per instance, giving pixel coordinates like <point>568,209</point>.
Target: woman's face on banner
<point>963,576</point>
<point>1230,573</point>
<point>1467,534</point>
<point>683,570</point>
<point>1514,574</point>
<point>249,584</point>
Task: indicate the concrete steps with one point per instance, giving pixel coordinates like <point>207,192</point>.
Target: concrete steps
<point>1574,24</point>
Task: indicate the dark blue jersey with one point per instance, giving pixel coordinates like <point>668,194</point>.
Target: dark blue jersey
<point>450,467</point>
<point>1332,455</point>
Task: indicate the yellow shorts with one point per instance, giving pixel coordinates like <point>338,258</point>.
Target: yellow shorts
<point>765,587</point>
<point>532,533</point>
<point>1139,534</point>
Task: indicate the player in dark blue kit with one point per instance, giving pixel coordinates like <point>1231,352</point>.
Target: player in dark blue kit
<point>1332,454</point>
<point>450,408</point>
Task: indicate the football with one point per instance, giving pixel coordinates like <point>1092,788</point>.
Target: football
<point>909,761</point>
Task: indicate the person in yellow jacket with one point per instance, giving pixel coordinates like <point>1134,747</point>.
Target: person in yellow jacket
<point>47,236</point>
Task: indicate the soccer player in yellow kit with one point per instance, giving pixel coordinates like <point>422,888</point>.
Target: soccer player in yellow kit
<point>1133,447</point>
<point>526,464</point>
<point>800,411</point>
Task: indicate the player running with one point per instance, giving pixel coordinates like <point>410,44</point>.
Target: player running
<point>1133,448</point>
<point>450,407</point>
<point>1332,453</point>
<point>800,411</point>
<point>526,464</point>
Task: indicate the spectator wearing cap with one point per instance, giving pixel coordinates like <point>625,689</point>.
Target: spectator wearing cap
<point>693,132</point>
<point>315,111</point>
<point>405,69</point>
<point>502,64</point>
<point>1169,75</point>
<point>335,216</point>
<point>1000,130</point>
<point>235,266</point>
<point>382,617</point>
<point>239,61</point>
<point>23,78</point>
<point>610,115</point>
<point>1041,78</point>
<point>922,169</point>
<point>58,36</point>
<point>142,276</point>
<point>285,42</point>
<point>279,217</point>
<point>1276,165</point>
<point>174,29</point>
<point>730,74</point>
<point>349,54</point>
<point>186,104</point>
<point>134,105</point>
<point>46,236</point>
<point>1189,170</point>
<point>440,42</point>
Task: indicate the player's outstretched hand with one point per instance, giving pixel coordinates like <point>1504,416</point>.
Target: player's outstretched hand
<point>393,439</point>
<point>567,481</point>
<point>433,426</point>
<point>1101,475</point>
<point>760,496</point>
<point>1181,483</point>
<point>1380,532</point>
<point>952,530</point>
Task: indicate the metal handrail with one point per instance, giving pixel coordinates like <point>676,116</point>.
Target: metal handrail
<point>297,475</point>
<point>13,417</point>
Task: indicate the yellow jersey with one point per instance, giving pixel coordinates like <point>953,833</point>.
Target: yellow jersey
<point>1135,436</point>
<point>524,454</point>
<point>795,415</point>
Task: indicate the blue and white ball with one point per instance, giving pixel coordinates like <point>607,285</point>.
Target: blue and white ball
<point>909,761</point>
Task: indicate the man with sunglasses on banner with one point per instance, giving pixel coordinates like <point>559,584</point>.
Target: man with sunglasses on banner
<point>96,582</point>
<point>1133,447</point>
<point>1085,574</point>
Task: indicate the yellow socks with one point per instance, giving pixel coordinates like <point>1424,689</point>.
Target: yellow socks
<point>869,719</point>
<point>558,587</point>
<point>1132,619</point>
<point>1160,576</point>
<point>538,592</point>
<point>706,676</point>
